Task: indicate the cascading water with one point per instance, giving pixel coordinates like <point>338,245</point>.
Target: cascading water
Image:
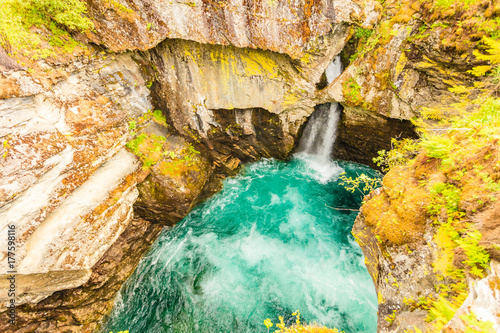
<point>321,130</point>
<point>276,239</point>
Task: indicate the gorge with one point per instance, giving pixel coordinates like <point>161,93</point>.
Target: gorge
<point>120,120</point>
<point>275,239</point>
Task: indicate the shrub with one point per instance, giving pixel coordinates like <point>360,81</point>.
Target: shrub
<point>401,153</point>
<point>437,146</point>
<point>362,183</point>
<point>17,17</point>
<point>68,13</point>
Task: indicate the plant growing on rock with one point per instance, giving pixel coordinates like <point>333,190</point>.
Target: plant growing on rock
<point>402,151</point>
<point>18,17</point>
<point>458,169</point>
<point>363,184</point>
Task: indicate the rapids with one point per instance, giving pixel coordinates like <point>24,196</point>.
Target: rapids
<point>276,239</point>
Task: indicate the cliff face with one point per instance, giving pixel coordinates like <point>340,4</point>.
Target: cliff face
<point>426,259</point>
<point>62,154</point>
<point>101,149</point>
<point>104,145</point>
<point>286,27</point>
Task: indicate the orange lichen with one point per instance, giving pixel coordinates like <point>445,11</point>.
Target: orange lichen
<point>398,213</point>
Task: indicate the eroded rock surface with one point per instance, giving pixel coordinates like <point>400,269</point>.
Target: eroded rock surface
<point>175,183</point>
<point>418,261</point>
<point>69,185</point>
<point>281,26</point>
<point>67,182</point>
<point>196,79</point>
<point>80,309</point>
<point>362,133</point>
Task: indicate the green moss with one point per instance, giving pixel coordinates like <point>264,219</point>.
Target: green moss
<point>17,17</point>
<point>118,6</point>
<point>148,147</point>
<point>180,163</point>
<point>352,91</point>
<point>159,117</point>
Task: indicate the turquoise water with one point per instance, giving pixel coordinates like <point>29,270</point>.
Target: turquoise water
<point>268,244</point>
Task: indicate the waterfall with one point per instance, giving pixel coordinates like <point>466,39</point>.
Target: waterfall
<point>321,129</point>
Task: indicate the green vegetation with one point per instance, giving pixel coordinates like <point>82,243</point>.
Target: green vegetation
<point>362,183</point>
<point>473,325</point>
<point>154,149</point>
<point>456,161</point>
<point>158,117</point>
<point>445,196</point>
<point>437,146</point>
<point>390,318</point>
<point>363,33</point>
<point>119,7</point>
<point>401,153</point>
<point>352,90</point>
<point>445,4</point>
<point>148,147</point>
<point>17,17</point>
<point>180,162</point>
<point>132,126</point>
<point>298,327</point>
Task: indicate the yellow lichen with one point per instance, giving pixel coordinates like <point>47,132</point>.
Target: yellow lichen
<point>443,264</point>
<point>256,63</point>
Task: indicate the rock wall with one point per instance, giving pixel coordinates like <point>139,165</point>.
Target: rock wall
<point>412,260</point>
<point>80,309</point>
<point>285,27</point>
<point>361,134</point>
<point>67,183</point>
<point>416,60</point>
<point>196,84</point>
<point>417,52</point>
<point>101,149</point>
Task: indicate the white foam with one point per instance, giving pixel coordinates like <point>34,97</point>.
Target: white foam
<point>320,132</point>
<point>316,167</point>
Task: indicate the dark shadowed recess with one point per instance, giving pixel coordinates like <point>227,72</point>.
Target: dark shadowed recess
<point>361,135</point>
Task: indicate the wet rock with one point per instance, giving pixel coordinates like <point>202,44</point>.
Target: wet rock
<point>361,134</point>
<point>249,134</point>
<point>196,79</point>
<point>175,183</point>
